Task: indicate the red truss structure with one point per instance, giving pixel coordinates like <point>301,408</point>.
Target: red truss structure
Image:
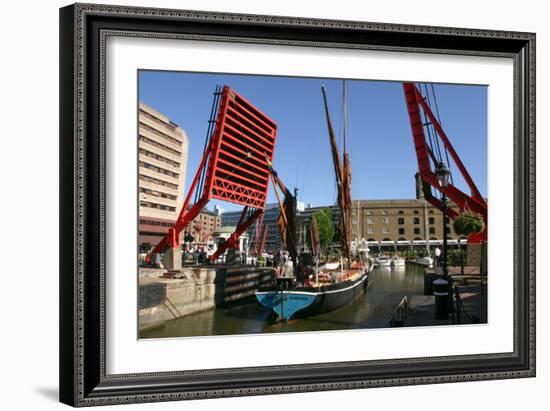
<point>234,166</point>
<point>244,138</point>
<point>475,202</point>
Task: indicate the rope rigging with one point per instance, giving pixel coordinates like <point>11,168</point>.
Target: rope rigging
<point>433,136</point>
<point>439,121</point>
<point>209,133</point>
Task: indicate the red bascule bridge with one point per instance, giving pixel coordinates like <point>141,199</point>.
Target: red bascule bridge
<point>239,149</point>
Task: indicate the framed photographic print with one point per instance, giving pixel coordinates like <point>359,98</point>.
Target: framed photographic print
<point>261,204</point>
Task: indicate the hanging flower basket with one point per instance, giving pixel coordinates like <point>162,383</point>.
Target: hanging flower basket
<point>468,223</point>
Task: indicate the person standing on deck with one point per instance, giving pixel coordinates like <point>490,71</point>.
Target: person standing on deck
<point>278,262</point>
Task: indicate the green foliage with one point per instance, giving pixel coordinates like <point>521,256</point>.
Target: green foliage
<point>410,254</point>
<point>261,261</point>
<point>454,257</point>
<point>422,252</point>
<point>326,227</point>
<point>468,223</point>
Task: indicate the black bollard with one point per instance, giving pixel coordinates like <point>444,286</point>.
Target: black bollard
<point>441,292</point>
<point>428,283</point>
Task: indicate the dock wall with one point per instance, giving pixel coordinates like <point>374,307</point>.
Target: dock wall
<point>165,296</point>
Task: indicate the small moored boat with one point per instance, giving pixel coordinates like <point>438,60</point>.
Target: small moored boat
<point>383,261</point>
<point>398,262</point>
<point>425,261</point>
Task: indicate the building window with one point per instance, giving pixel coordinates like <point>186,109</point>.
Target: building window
<point>416,212</point>
<point>416,220</point>
<point>431,212</point>
<point>370,230</point>
<point>369,212</point>
<point>401,221</point>
<point>432,230</point>
<point>385,220</point>
<point>369,220</point>
<point>417,230</point>
<point>384,212</point>
<point>400,212</point>
<point>385,230</point>
<point>401,231</point>
<point>431,220</point>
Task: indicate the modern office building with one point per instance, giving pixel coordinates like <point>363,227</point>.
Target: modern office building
<point>273,240</point>
<point>272,211</point>
<point>163,150</point>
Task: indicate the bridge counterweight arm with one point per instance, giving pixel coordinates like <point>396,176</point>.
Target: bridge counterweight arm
<point>474,202</point>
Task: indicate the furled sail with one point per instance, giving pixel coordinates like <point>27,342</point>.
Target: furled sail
<point>343,183</point>
<point>314,237</point>
<point>286,220</point>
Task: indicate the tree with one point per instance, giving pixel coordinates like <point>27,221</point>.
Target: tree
<point>326,228</point>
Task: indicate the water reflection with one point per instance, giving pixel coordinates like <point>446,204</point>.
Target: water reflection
<point>387,286</point>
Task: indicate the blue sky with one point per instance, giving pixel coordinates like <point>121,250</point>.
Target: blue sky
<point>378,133</point>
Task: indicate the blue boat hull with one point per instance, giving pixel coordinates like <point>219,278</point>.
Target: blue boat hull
<point>307,301</point>
<point>285,303</point>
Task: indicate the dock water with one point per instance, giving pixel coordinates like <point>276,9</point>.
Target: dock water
<point>386,286</point>
<point>244,315</point>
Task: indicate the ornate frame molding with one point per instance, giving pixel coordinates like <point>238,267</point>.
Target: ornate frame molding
<point>84,30</point>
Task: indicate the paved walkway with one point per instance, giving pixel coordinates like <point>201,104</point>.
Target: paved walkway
<point>421,308</point>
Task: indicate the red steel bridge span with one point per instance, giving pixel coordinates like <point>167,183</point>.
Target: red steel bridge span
<point>239,150</point>
<point>239,147</point>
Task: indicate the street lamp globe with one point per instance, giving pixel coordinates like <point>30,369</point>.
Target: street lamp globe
<point>443,172</point>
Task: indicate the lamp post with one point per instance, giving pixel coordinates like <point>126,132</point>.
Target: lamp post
<point>443,285</point>
<point>443,174</point>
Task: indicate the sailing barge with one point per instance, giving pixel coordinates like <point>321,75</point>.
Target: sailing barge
<point>335,284</point>
<point>318,299</point>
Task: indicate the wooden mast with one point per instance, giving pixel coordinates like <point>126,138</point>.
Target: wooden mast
<point>343,179</point>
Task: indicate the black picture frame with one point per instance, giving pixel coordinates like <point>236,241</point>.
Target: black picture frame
<point>83,29</point>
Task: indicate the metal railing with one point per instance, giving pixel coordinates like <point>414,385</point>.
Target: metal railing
<point>400,313</point>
